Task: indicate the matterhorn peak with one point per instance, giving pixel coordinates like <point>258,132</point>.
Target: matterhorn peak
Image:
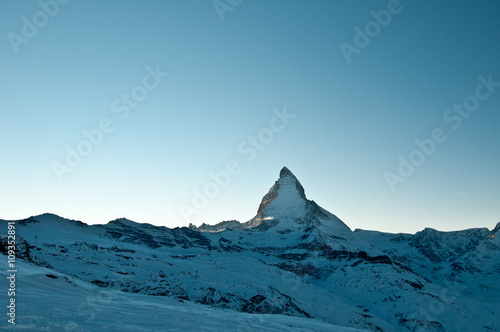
<point>286,204</point>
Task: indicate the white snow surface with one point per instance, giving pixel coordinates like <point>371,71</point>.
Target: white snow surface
<point>289,203</point>
<point>48,300</point>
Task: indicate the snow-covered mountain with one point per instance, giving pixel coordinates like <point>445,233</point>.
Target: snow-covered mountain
<point>293,259</point>
<point>285,206</point>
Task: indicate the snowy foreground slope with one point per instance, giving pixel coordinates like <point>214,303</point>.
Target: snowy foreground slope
<point>51,301</point>
<point>293,266</point>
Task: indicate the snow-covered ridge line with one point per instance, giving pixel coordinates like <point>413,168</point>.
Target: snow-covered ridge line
<point>294,259</point>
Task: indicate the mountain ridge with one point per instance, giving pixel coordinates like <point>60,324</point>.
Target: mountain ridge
<point>298,260</point>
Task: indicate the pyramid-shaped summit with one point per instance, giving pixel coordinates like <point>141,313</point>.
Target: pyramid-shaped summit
<point>285,206</point>
<point>286,202</point>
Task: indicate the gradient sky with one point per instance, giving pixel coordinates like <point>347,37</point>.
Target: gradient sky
<point>352,120</point>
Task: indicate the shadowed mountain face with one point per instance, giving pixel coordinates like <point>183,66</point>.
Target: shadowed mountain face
<point>293,258</point>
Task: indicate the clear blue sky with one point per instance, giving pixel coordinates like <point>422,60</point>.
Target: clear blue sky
<point>353,119</point>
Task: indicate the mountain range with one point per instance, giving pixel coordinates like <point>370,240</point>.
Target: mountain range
<point>294,266</point>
